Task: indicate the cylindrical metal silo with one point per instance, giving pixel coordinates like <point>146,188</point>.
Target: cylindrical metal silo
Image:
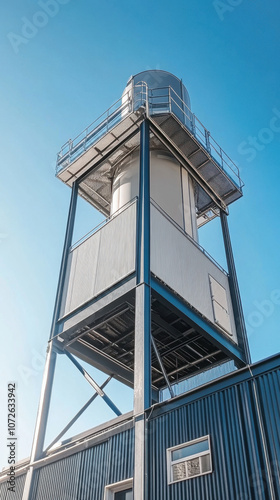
<point>171,186</point>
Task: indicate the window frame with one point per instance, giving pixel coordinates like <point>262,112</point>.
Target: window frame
<point>171,462</point>
<point>111,489</point>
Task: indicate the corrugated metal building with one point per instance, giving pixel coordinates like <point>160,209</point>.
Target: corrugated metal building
<point>240,413</point>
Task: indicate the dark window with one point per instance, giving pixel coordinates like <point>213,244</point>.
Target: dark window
<point>124,495</point>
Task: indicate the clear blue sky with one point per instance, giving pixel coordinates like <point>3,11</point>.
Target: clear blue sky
<point>55,80</point>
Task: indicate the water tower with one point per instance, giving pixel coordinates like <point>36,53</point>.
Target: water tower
<point>139,298</point>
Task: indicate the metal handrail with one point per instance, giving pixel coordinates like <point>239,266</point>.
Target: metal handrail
<point>119,109</point>
<point>135,97</point>
<point>203,135</point>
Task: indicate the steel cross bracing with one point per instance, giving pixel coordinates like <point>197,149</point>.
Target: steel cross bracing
<point>75,418</point>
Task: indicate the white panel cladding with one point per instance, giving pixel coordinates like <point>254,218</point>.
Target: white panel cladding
<point>179,263</point>
<point>116,258</point>
<point>189,205</point>
<point>102,260</point>
<point>221,317</point>
<point>218,292</point>
<point>83,281</point>
<point>220,304</point>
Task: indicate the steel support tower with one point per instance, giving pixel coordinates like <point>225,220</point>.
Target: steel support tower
<point>139,298</point>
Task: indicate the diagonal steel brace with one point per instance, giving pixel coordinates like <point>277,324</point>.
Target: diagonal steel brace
<point>162,367</point>
<point>75,418</point>
<point>92,382</point>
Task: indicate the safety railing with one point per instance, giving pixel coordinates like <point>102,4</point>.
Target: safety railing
<point>165,99</point>
<point>155,101</point>
<point>73,148</point>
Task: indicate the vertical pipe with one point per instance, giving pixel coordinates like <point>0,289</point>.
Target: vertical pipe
<point>234,290</point>
<point>142,343</point>
<point>48,377</point>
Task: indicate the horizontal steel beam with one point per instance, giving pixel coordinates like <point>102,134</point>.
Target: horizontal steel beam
<point>103,362</point>
<point>198,322</point>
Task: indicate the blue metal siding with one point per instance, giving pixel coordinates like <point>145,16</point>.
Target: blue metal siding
<point>9,495</point>
<point>58,480</point>
<point>269,395</point>
<point>92,473</point>
<point>231,419</point>
<point>240,413</point>
<point>121,457</point>
<point>83,476</point>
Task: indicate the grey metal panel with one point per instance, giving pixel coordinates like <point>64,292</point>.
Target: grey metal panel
<point>10,495</point>
<point>101,260</point>
<point>221,317</point>
<point>230,416</point>
<point>179,263</point>
<point>220,304</point>
<point>84,266</point>
<point>218,293</point>
<point>116,257</point>
<point>102,302</point>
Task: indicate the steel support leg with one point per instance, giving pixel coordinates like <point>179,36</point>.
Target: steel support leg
<point>234,290</point>
<point>142,344</point>
<point>64,260</point>
<point>42,417</point>
<point>44,404</point>
<point>142,387</point>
